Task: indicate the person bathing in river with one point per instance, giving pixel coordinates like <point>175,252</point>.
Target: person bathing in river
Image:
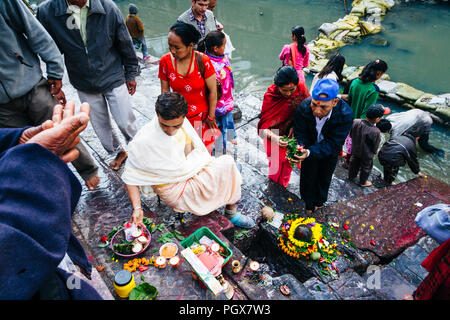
<point>296,54</point>
<point>213,45</point>
<point>415,118</point>
<point>277,111</point>
<point>398,151</point>
<point>167,157</point>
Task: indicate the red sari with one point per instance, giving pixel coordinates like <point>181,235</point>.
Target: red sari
<point>276,114</point>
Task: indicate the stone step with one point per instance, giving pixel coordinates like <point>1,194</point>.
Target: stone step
<point>388,283</point>
<point>351,286</point>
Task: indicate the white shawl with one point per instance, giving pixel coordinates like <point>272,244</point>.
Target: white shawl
<point>155,158</point>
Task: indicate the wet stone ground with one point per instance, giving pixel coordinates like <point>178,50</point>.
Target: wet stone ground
<point>391,212</point>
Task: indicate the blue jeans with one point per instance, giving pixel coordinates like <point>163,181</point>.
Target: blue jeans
<point>226,127</point>
<point>140,43</point>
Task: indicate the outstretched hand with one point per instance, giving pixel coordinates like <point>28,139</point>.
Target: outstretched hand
<point>60,135</point>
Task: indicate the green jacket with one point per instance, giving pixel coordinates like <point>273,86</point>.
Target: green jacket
<point>361,96</point>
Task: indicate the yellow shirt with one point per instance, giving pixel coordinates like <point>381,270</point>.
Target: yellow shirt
<point>80,16</point>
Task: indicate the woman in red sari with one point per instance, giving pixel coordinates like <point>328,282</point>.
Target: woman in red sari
<point>279,104</point>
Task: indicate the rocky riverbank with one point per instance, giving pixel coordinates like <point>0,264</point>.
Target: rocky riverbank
<point>365,19</point>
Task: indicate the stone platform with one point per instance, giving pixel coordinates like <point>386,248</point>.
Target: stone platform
<point>100,210</point>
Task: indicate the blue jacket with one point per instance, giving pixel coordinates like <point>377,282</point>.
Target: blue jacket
<point>38,194</point>
<point>22,40</point>
<point>334,131</point>
<point>107,60</point>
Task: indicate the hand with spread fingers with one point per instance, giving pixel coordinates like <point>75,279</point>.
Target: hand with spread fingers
<point>60,135</point>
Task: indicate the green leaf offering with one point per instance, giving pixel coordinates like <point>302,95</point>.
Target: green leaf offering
<point>144,291</point>
<point>293,149</point>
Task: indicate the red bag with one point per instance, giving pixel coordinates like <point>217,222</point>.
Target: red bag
<point>209,136</point>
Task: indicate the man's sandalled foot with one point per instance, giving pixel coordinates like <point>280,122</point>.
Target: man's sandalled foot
<point>92,182</point>
<point>117,162</point>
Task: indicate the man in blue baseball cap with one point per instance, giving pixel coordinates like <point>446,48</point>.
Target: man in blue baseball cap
<point>321,124</point>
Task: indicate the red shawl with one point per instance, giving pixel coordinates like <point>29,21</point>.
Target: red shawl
<point>277,111</point>
<point>437,283</point>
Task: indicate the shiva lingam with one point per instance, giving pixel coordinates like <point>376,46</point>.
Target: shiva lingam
<point>303,233</point>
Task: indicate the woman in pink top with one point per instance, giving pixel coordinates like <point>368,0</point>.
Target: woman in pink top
<point>296,54</point>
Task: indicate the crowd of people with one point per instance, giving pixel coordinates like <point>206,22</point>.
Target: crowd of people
<point>177,154</point>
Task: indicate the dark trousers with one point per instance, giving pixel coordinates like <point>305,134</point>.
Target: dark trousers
<point>390,173</point>
<point>361,165</point>
<point>315,179</point>
<point>33,109</point>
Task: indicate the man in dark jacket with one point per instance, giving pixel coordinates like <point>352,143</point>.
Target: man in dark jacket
<point>321,124</point>
<point>38,194</point>
<point>101,63</point>
<point>27,98</point>
<point>398,151</point>
<point>366,138</point>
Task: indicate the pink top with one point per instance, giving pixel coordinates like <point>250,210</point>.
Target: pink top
<point>302,60</point>
<point>225,75</point>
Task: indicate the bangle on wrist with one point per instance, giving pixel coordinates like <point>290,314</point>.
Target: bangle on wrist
<point>211,119</point>
<point>137,208</point>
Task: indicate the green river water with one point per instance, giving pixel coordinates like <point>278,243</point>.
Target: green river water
<point>417,36</point>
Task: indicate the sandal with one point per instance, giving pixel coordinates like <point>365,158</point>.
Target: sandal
<point>239,220</point>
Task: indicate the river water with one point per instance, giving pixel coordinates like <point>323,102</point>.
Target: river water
<point>416,52</point>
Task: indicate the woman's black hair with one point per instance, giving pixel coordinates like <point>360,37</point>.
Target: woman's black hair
<point>285,75</point>
<point>299,33</point>
<point>188,33</point>
<point>335,63</point>
<point>171,105</point>
<point>212,39</point>
<point>369,73</point>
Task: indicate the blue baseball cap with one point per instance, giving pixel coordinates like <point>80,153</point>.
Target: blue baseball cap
<point>328,87</point>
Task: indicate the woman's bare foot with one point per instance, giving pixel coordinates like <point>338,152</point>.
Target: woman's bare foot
<point>117,162</point>
<point>234,141</point>
<point>367,184</point>
<point>92,182</point>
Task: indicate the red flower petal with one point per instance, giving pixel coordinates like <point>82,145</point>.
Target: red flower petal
<point>346,226</point>
<point>142,268</point>
<point>104,239</point>
<point>373,243</point>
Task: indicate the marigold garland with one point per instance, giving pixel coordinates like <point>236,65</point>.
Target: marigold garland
<point>303,250</point>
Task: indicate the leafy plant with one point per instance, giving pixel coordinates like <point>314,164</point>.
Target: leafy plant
<point>240,234</point>
<point>293,149</point>
<point>144,291</point>
<point>168,236</point>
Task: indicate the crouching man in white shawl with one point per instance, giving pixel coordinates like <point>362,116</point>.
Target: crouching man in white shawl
<point>168,157</point>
